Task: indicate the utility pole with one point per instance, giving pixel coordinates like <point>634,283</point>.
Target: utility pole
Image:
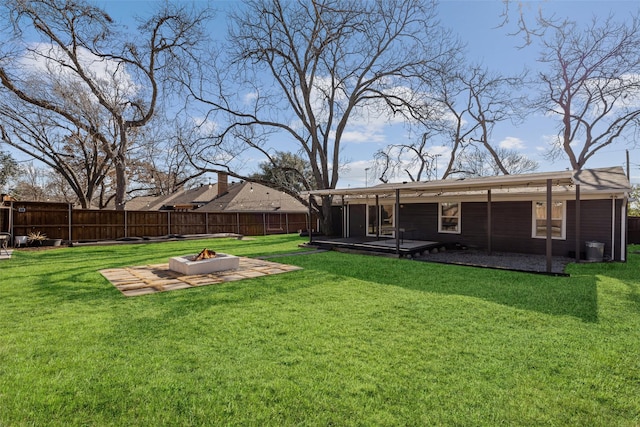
<point>628,167</point>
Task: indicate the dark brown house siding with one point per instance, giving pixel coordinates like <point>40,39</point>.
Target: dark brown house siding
<point>511,226</point>
<point>357,220</point>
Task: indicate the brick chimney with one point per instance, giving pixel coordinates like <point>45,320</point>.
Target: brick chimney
<point>223,183</point>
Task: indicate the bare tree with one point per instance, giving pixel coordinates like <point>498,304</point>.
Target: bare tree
<point>474,101</point>
<point>307,69</point>
<point>79,51</point>
<point>33,184</point>
<point>591,84</point>
<point>476,162</point>
<point>8,169</point>
<point>158,164</point>
<point>72,153</point>
<point>413,159</point>
<point>467,104</point>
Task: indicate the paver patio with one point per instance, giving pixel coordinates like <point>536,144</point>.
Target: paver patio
<point>149,279</point>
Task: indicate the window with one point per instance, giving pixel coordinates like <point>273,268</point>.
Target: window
<point>380,218</point>
<point>558,222</point>
<point>449,218</point>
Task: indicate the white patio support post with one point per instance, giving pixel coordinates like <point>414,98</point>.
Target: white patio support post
<point>344,217</point>
<point>11,228</point>
<point>549,235</point>
<point>489,230</point>
<point>378,222</point>
<point>578,225</point>
<point>397,222</point>
<point>310,219</point>
<point>623,231</point>
<point>613,228</point>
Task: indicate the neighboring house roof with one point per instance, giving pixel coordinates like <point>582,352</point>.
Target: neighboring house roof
<point>191,198</point>
<point>253,197</point>
<point>239,197</point>
<point>593,183</point>
<point>140,203</point>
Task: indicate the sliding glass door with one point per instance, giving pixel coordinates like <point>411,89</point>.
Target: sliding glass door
<point>380,220</point>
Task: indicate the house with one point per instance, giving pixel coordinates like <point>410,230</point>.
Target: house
<point>552,213</point>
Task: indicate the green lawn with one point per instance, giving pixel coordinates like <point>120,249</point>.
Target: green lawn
<point>348,340</point>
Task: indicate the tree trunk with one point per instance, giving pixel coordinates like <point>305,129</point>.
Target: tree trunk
<point>121,182</point>
<point>326,218</point>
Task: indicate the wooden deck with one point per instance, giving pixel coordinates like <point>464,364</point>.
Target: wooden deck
<point>371,244</point>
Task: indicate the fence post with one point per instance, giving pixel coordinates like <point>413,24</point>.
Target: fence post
<point>168,222</point>
<point>264,224</point>
<point>126,234</point>
<point>206,223</point>
<point>238,221</point>
<point>286,221</point>
<point>70,222</point>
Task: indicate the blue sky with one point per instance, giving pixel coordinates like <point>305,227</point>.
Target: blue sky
<point>477,24</point>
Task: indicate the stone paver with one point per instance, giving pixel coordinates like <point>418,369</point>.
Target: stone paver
<point>150,279</point>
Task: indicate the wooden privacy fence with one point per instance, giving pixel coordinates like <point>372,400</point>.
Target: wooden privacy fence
<point>59,221</point>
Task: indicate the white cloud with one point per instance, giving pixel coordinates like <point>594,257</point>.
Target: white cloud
<point>512,143</point>
<point>49,63</point>
<point>205,126</point>
<point>360,134</point>
<point>250,97</point>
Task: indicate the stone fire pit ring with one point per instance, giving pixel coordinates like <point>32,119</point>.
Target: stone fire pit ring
<point>221,262</point>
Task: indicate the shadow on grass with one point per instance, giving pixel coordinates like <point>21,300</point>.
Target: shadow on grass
<point>72,275</point>
<point>574,296</point>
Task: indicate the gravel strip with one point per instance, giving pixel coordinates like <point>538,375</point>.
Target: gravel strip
<point>500,260</point>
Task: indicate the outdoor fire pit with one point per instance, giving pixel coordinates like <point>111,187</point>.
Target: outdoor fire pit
<point>203,263</point>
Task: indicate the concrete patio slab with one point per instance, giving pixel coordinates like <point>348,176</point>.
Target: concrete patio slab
<point>150,279</point>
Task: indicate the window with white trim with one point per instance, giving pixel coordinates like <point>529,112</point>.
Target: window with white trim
<point>558,220</point>
<point>449,217</point>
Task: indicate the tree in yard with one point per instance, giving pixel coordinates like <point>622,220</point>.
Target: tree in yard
<point>591,84</point>
<point>467,104</point>
<point>303,71</point>
<point>33,184</point>
<point>476,162</point>
<point>70,152</point>
<point>416,160</point>
<point>473,102</point>
<point>285,170</point>
<point>81,77</point>
<point>158,164</point>
<point>8,168</point>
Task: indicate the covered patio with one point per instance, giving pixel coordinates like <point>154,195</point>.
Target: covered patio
<point>602,184</point>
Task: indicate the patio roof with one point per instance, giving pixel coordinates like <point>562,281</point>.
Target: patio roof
<point>611,179</point>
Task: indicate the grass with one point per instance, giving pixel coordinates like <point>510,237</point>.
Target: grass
<point>348,340</point>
